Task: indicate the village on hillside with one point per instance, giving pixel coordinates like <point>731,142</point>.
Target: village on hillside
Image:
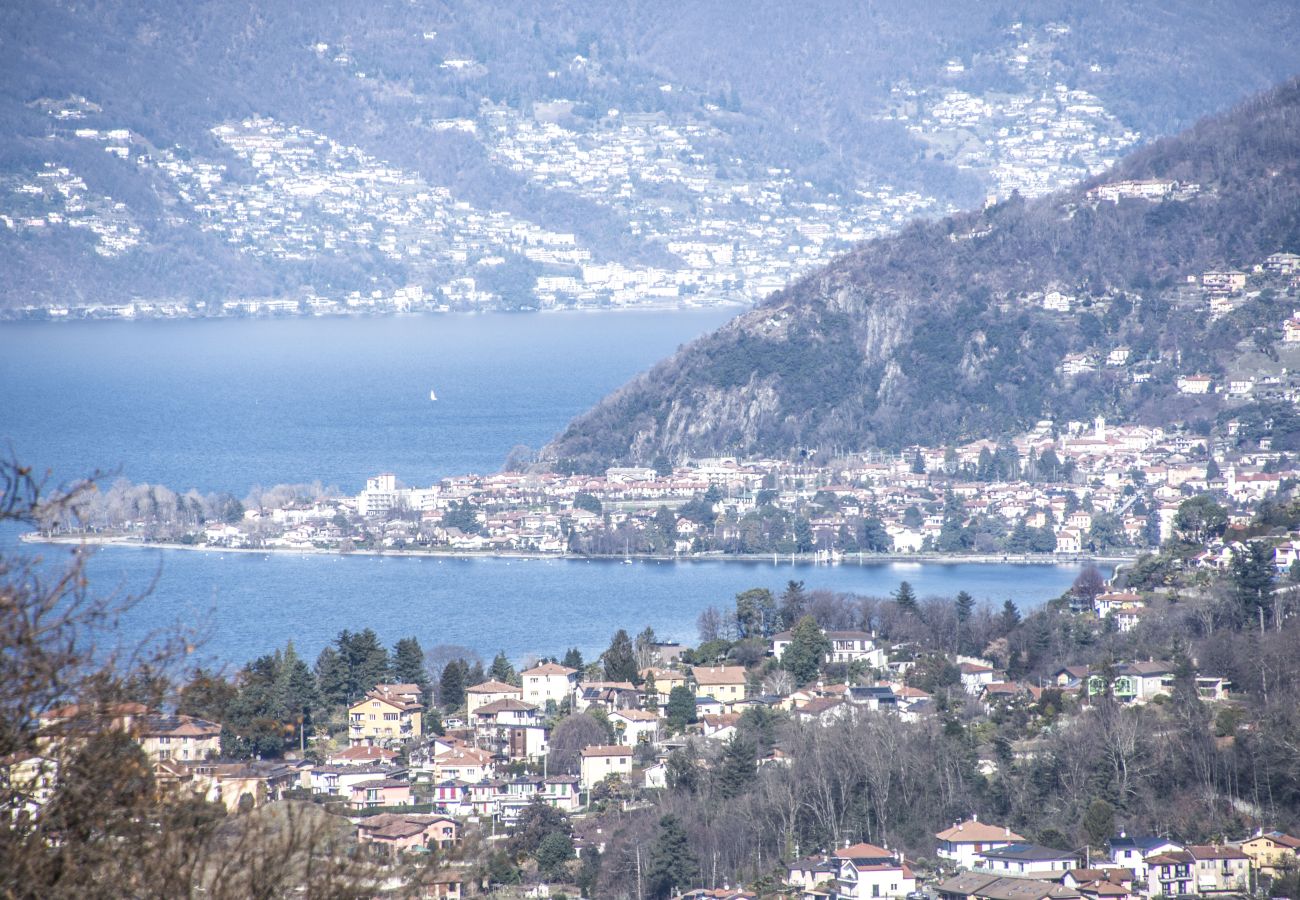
<point>1074,490</point>
<point>726,228</point>
<point>472,776</point>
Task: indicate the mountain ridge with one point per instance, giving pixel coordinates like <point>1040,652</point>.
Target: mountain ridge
<point>835,93</point>
<point>846,358</point>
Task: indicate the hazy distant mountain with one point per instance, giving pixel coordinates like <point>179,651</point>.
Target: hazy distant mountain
<point>215,150</point>
<point>1093,300</point>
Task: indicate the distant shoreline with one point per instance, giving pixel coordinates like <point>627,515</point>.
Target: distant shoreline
<point>92,314</point>
<point>853,559</point>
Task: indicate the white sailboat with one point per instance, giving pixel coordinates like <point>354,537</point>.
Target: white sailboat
<point>432,395</point>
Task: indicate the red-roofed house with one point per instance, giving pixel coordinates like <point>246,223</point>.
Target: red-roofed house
<point>395,832</point>
<point>489,692</point>
<point>962,843</point>
<point>870,871</point>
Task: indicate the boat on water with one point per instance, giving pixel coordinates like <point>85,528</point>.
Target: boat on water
<point>432,395</point>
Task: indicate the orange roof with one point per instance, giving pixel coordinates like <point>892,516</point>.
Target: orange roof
<point>864,851</point>
<point>606,750</point>
<point>550,669</point>
<point>719,674</point>
<point>976,831</point>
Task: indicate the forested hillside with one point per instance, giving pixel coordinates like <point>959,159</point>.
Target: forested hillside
<point>840,98</point>
<point>947,332</point>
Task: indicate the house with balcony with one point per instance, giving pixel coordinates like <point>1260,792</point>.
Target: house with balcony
<point>725,684</point>
<point>846,647</point>
<point>1169,874</point>
<point>635,726</point>
<point>489,692</point>
<point>178,737</point>
<point>383,719</point>
<point>1273,853</point>
<point>394,833</point>
<point>962,844</point>
<point>868,871</point>
<point>1132,851</point>
<point>561,791</point>
<point>381,792</point>
<point>1220,870</point>
<point>510,728</point>
<point>664,680</point>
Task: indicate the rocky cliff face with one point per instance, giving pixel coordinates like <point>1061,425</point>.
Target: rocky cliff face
<point>940,333</point>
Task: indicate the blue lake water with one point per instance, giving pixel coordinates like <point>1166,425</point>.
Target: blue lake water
<point>228,404</point>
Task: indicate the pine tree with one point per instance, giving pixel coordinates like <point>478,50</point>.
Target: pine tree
<point>620,660</point>
<point>295,684</point>
<point>368,660</point>
<point>965,604</point>
<point>408,667</point>
<point>680,709</point>
<point>502,670</point>
<point>1010,617</point>
<point>1253,576</point>
<point>793,601</point>
<point>755,612</point>
<point>331,678</point>
<point>573,659</point>
<point>737,769</point>
<point>673,864</point>
<point>905,597</point>
<point>808,646</point>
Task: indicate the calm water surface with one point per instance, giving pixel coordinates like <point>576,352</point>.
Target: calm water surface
<point>225,405</point>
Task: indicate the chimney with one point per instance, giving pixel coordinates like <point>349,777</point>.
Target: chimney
<point>975,817</point>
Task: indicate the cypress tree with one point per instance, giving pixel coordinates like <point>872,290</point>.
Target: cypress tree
<point>451,687</point>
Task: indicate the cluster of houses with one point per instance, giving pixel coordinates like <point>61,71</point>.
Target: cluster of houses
<point>1030,141</point>
<point>1222,290</point>
<point>991,862</point>
<point>408,792</point>
<point>1068,479</point>
<point>54,197</point>
<point>742,237</point>
<point>747,231</point>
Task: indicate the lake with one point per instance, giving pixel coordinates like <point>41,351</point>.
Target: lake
<point>247,604</point>
<point>227,404</point>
